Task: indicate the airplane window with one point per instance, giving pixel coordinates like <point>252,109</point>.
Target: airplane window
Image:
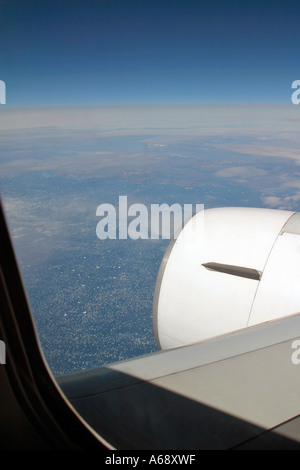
<point>91,293</point>
<point>118,121</point>
<point>90,279</point>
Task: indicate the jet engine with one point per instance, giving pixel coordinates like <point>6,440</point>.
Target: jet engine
<point>228,269</point>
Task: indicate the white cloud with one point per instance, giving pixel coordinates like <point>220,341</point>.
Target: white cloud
<point>285,203</point>
<point>240,172</point>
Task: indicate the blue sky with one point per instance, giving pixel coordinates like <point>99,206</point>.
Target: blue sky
<point>94,52</point>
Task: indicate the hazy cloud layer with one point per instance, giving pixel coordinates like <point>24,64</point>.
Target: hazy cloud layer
<point>240,172</point>
<point>198,119</point>
<point>185,145</point>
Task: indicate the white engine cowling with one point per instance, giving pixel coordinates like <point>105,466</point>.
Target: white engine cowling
<point>229,268</point>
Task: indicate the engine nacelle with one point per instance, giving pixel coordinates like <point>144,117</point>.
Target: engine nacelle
<point>229,268</point>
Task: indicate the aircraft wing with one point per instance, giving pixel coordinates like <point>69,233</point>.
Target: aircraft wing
<point>237,391</point>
